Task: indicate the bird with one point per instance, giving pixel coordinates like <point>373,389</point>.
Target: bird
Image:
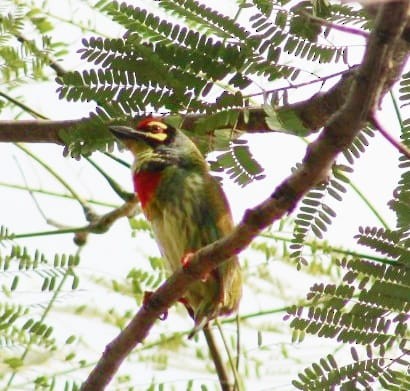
<point>187,210</point>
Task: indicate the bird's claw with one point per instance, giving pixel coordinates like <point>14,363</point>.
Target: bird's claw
<point>186,260</point>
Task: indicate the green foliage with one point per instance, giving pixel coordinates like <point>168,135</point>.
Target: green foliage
<point>401,202</point>
<point>22,57</point>
<point>371,305</point>
<point>390,243</point>
<point>196,61</point>
<point>18,259</point>
<point>358,145</point>
<point>314,214</point>
<point>22,326</point>
<point>285,121</point>
<point>81,140</point>
<point>239,164</point>
<point>143,281</point>
<point>369,308</point>
<point>346,14</point>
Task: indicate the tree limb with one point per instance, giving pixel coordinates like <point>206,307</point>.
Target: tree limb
<point>364,94</point>
<point>35,131</point>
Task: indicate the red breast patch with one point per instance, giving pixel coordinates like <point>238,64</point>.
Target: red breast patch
<point>145,184</point>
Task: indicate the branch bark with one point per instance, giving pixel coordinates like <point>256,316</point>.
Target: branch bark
<point>35,131</point>
<point>313,112</point>
<point>365,91</point>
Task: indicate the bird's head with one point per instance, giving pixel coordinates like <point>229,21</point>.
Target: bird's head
<point>154,140</point>
<point>149,134</point>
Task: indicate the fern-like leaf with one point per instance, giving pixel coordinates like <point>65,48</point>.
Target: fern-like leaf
<point>370,308</point>
<point>315,215</point>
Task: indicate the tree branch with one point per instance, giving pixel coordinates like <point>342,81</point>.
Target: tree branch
<point>364,94</point>
<point>396,144</point>
<point>35,131</point>
<point>313,112</point>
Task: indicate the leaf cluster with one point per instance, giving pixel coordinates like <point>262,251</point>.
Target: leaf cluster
<point>196,60</point>
<point>370,307</point>
<point>23,326</point>
<point>22,57</point>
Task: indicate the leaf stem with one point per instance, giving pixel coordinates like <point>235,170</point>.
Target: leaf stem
<point>117,159</point>
<point>55,194</point>
<point>238,381</point>
<point>321,246</point>
<point>46,233</point>
<point>124,195</point>
<point>23,106</point>
<point>57,176</point>
<point>369,204</point>
<point>217,359</point>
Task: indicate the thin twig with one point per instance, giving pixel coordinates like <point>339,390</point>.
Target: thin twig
<point>320,79</point>
<point>396,144</point>
<point>34,198</point>
<point>238,383</point>
<point>123,194</point>
<point>48,168</point>
<point>52,62</point>
<point>344,29</point>
<point>56,194</point>
<point>217,359</point>
<point>238,341</point>
<point>23,106</point>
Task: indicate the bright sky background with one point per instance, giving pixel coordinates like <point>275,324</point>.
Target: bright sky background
<point>375,173</point>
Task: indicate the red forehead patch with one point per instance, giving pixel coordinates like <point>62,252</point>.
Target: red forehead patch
<point>143,124</point>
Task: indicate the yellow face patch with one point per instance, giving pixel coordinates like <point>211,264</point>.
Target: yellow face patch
<point>156,125</point>
<point>156,130</point>
<point>157,136</point>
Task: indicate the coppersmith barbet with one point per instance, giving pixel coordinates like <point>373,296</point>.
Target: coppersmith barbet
<point>187,209</point>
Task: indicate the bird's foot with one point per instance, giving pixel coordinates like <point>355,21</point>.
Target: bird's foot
<point>186,260</point>
<point>185,302</point>
<point>145,299</point>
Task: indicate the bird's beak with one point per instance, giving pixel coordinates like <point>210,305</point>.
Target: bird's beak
<point>126,133</point>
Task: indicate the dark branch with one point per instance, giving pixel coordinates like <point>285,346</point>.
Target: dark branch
<point>35,131</point>
<point>313,112</point>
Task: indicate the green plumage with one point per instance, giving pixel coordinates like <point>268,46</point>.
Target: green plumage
<point>187,210</point>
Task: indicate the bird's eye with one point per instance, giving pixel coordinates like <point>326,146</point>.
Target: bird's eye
<point>156,129</point>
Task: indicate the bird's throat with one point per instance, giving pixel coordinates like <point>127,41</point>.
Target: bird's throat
<point>145,184</point>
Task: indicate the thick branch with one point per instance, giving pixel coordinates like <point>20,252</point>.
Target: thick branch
<point>364,94</point>
<point>313,112</point>
<point>35,131</point>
